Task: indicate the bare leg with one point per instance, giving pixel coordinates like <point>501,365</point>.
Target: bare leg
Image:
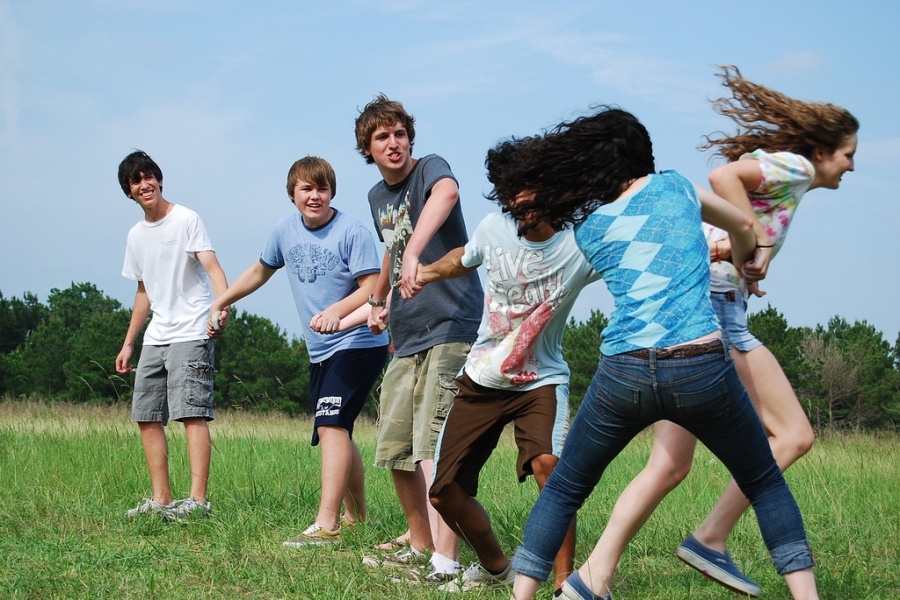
<point>669,463</point>
<point>466,517</point>
<point>802,585</point>
<point>355,492</point>
<point>411,491</point>
<point>446,542</point>
<point>199,452</point>
<point>790,436</point>
<point>334,443</point>
<point>156,451</point>
<point>564,564</point>
<point>525,587</point>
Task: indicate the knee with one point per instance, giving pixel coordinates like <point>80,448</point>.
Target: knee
<point>803,441</point>
<point>670,474</point>
<point>542,466</point>
<point>441,502</point>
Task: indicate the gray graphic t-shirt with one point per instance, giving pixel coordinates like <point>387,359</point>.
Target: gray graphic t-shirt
<point>445,311</point>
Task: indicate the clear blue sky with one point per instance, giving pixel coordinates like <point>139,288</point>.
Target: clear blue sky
<point>226,95</point>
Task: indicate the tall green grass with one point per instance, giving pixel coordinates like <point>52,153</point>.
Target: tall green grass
<point>68,473</point>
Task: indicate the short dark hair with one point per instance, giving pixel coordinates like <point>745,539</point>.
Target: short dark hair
<point>572,169</point>
<point>381,112</point>
<point>134,167</point>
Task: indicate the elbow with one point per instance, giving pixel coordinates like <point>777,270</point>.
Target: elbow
<point>718,176</point>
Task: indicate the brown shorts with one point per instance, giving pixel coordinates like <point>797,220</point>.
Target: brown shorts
<point>477,419</point>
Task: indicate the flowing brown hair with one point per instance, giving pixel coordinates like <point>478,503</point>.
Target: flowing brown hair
<point>773,122</point>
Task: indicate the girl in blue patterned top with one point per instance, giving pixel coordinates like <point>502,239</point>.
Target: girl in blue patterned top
<point>783,148</point>
<point>662,353</point>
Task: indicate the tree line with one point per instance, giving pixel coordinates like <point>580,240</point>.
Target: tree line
<point>846,375</point>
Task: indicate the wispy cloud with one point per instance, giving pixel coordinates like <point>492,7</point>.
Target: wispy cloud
<point>10,94</point>
<point>794,64</point>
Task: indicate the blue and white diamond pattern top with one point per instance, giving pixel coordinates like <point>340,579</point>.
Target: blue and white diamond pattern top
<point>650,249</point>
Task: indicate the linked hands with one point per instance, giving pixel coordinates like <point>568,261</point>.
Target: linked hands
<point>217,320</point>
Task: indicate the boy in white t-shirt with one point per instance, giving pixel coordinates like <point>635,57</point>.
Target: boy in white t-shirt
<point>170,256</point>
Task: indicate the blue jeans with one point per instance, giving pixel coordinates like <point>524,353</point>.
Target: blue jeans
<point>731,310</point>
<point>702,394</point>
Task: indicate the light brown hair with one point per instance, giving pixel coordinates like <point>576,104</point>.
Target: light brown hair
<point>381,112</point>
<point>311,169</point>
<point>773,122</point>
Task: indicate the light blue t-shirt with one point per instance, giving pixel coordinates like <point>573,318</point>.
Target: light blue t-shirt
<point>650,249</point>
<point>530,290</point>
<point>323,264</point>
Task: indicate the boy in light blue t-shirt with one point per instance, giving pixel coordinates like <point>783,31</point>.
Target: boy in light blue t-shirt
<point>332,266</point>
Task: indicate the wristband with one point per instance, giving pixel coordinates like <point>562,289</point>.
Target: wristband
<point>373,302</point>
<point>765,245</point>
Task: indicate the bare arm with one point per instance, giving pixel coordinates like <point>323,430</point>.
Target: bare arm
<point>138,318</point>
<point>250,280</point>
<point>732,182</point>
<point>444,196</point>
<point>330,319</point>
<point>218,282</point>
<point>378,315</point>
<point>448,267</point>
<point>716,211</point>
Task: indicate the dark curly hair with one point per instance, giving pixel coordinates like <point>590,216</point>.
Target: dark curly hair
<point>571,169</point>
<point>768,120</point>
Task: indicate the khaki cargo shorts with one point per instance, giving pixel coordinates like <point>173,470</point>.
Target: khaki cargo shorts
<point>416,395</point>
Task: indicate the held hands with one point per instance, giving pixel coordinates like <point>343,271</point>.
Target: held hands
<point>378,319</point>
<point>409,287</point>
<point>327,322</point>
<point>217,321</point>
<point>757,266</point>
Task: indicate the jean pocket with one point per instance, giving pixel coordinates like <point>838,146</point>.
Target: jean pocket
<point>711,404</point>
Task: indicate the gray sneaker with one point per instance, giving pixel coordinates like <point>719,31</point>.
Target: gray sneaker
<point>148,507</point>
<point>424,574</point>
<point>476,577</point>
<point>403,558</point>
<point>187,509</point>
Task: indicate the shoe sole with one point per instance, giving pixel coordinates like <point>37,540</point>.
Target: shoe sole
<point>720,576</point>
<point>310,543</point>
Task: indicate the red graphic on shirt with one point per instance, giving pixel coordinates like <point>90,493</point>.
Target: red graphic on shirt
<point>529,332</point>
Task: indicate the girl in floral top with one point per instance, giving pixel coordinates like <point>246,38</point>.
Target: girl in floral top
<point>783,148</point>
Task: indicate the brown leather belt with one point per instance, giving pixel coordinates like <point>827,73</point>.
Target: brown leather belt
<point>686,351</point>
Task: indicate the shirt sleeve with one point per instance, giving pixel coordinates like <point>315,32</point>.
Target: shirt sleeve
<point>272,256</point>
<point>198,236</point>
<point>363,256</point>
<point>473,252</point>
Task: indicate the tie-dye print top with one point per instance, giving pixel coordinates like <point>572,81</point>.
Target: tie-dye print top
<point>784,178</point>
<point>650,250</point>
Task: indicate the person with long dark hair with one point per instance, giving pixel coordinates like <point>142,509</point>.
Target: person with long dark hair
<point>782,149</point>
<point>662,355</point>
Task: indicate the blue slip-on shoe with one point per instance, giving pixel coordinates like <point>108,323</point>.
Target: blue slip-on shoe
<point>717,566</point>
<point>574,588</point>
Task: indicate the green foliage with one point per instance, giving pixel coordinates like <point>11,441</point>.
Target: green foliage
<point>71,471</point>
<point>771,328</point>
<point>18,318</point>
<point>256,368</point>
<point>581,349</point>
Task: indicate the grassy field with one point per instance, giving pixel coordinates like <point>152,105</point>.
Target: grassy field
<point>68,474</point>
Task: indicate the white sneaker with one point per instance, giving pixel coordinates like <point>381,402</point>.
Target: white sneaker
<point>476,577</point>
<point>182,510</point>
<point>147,507</point>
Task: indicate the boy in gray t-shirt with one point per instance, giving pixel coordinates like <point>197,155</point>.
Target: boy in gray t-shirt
<point>417,214</point>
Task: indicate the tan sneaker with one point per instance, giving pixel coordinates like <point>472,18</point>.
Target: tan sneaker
<point>314,535</point>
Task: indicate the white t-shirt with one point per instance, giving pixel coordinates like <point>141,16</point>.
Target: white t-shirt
<point>530,290</point>
<point>163,256</point>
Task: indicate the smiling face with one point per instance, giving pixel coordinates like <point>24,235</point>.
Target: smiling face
<point>391,150</point>
<point>146,191</point>
<point>314,202</point>
<point>830,167</point>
